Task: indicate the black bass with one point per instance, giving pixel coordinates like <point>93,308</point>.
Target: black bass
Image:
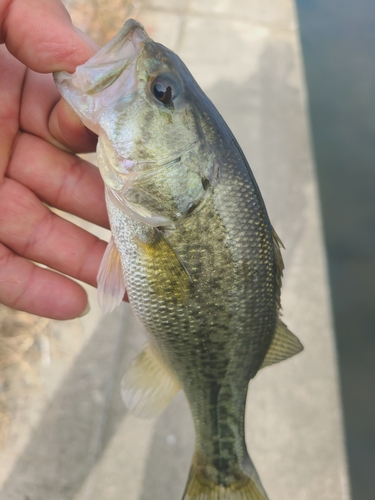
<point>192,240</point>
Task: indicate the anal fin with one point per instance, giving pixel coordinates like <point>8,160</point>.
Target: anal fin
<point>284,345</point>
<point>111,283</point>
<point>149,385</point>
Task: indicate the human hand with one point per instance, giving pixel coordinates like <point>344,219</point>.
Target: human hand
<point>40,135</point>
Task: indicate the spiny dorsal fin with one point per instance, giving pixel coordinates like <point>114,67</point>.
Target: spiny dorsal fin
<point>277,244</point>
<point>111,283</point>
<point>284,345</point>
<point>149,385</point>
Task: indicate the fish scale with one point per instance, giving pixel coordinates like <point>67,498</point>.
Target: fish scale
<point>241,316</point>
<point>192,241</point>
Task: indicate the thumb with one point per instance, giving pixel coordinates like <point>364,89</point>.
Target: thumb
<point>40,34</point>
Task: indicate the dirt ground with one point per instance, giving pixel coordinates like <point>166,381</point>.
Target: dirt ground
<point>25,344</point>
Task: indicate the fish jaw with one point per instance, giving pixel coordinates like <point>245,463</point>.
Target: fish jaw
<point>107,78</point>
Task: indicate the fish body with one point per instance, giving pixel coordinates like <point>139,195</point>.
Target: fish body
<point>192,240</point>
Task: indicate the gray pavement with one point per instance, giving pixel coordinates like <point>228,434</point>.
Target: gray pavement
<point>74,440</point>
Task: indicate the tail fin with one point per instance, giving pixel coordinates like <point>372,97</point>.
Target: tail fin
<point>245,488</point>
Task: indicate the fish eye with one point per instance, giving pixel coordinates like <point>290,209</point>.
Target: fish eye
<point>165,88</point>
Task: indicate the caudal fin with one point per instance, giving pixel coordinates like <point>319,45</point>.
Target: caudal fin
<point>246,488</point>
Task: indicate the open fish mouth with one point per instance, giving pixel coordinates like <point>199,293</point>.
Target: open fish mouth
<point>97,83</point>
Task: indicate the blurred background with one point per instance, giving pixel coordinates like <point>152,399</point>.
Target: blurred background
<point>338,42</point>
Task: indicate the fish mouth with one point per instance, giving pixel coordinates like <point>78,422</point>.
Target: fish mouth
<point>109,73</point>
<point>107,65</point>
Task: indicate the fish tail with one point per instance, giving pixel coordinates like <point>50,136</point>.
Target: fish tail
<point>245,487</point>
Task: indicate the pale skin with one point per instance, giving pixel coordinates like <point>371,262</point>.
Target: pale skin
<point>39,136</point>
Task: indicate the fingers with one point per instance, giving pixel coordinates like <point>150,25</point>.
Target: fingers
<point>31,230</point>
<point>30,288</point>
<point>28,101</point>
<point>12,75</point>
<point>40,34</point>
<point>61,179</point>
<point>42,114</point>
<point>65,125</point>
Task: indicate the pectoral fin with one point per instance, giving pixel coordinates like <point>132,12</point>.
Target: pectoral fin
<point>167,274</point>
<point>149,385</point>
<point>284,345</point>
<point>111,283</point>
<point>137,212</point>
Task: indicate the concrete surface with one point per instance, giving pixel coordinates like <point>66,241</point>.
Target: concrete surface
<point>338,46</point>
<point>75,440</point>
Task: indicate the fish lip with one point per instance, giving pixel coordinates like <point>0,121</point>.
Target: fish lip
<point>130,25</point>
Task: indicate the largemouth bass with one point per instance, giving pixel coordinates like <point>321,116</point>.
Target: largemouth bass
<point>192,241</point>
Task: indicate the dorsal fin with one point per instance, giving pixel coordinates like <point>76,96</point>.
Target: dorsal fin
<point>277,245</point>
<point>284,345</point>
<point>149,385</point>
<point>111,283</point>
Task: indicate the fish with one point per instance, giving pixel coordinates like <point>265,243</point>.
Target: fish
<point>191,243</point>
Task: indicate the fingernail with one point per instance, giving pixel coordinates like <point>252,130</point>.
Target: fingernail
<point>90,42</point>
<point>86,310</point>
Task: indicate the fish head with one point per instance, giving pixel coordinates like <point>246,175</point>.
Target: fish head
<point>157,144</point>
<point>137,96</point>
